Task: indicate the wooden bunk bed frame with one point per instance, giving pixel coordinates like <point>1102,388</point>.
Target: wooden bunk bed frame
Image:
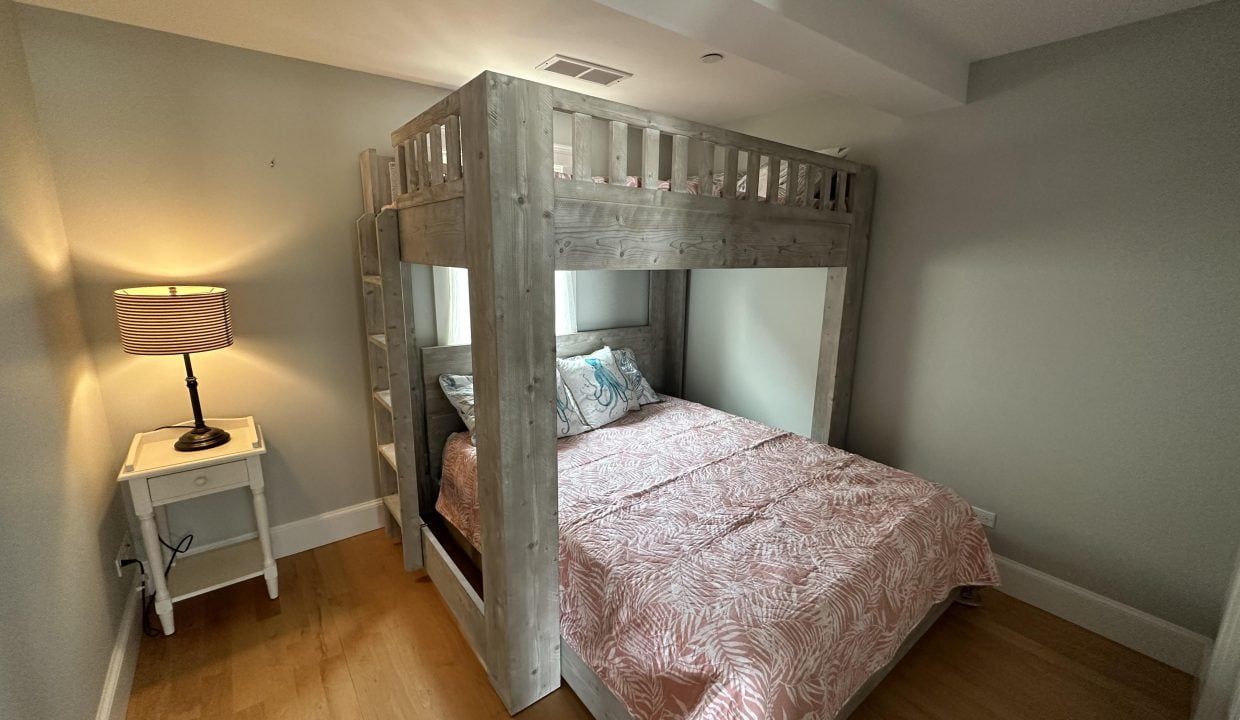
<point>475,189</point>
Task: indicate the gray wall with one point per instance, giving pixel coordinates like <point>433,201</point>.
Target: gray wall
<point>753,339</point>
<point>163,149</point>
<point>609,299</point>
<point>60,517</point>
<point>1050,321</point>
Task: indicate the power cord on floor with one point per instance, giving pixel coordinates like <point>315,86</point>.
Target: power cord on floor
<point>181,547</point>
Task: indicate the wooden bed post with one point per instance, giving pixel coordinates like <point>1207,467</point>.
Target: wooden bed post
<point>510,246</point>
<point>841,318</point>
<point>669,292</point>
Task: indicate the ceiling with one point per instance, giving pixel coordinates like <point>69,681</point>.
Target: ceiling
<point>980,29</point>
<point>903,56</point>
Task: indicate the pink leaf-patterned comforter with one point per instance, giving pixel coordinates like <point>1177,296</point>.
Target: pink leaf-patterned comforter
<point>713,567</point>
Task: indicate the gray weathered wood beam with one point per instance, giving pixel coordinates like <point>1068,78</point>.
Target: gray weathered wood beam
<point>837,355</point>
<point>509,231</point>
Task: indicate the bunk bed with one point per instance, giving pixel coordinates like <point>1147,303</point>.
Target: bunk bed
<point>471,185</point>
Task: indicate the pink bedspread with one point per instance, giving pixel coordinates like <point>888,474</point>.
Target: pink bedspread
<point>713,567</point>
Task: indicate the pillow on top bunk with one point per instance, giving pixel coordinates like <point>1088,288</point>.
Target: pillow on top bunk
<point>627,363</point>
<point>598,386</point>
<point>460,392</point>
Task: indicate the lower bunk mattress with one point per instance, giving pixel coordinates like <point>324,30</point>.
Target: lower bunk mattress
<point>714,567</point>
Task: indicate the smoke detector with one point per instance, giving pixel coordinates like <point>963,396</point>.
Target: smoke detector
<point>584,70</point>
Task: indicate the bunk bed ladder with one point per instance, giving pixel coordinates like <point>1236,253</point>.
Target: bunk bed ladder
<point>393,358</point>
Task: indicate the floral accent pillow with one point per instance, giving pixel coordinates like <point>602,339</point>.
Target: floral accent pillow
<point>627,362</point>
<point>568,417</point>
<point>598,386</point>
<point>460,392</point>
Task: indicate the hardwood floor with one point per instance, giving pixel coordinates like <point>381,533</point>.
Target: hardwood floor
<point>354,636</point>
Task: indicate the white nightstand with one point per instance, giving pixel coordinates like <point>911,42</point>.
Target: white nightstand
<point>159,475</point>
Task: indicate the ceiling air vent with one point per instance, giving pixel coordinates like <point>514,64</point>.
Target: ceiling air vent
<point>584,70</point>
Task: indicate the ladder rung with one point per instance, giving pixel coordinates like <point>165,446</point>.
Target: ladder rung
<point>372,279</point>
<point>392,503</point>
<point>384,397</point>
<point>380,340</point>
<point>388,451</point>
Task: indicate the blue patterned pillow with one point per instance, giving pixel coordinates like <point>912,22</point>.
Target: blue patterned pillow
<point>460,392</point>
<point>598,386</point>
<point>568,418</point>
<point>627,363</point>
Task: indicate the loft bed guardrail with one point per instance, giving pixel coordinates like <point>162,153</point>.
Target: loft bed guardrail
<point>473,185</point>
<point>429,155</point>
<point>751,202</point>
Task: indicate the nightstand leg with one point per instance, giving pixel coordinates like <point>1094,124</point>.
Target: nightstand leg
<point>264,538</point>
<point>163,601</point>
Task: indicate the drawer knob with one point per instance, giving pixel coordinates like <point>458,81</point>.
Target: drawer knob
<point>200,480</point>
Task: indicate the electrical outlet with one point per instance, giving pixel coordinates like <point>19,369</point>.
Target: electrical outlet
<point>124,552</point>
<point>985,517</point>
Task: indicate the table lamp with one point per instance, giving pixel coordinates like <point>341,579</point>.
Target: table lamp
<point>177,320</point>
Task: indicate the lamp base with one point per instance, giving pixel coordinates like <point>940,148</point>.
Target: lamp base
<point>201,438</point>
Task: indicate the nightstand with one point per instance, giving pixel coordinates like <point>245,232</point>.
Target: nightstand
<point>159,475</point>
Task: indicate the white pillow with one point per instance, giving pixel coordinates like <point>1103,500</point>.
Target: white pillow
<point>460,392</point>
<point>568,417</point>
<point>626,360</point>
<point>598,386</point>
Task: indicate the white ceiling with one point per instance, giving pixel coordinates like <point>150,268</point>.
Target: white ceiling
<point>980,29</point>
<point>903,56</point>
<point>447,43</point>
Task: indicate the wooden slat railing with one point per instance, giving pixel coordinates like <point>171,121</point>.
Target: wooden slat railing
<point>650,157</point>
<point>618,152</point>
<point>428,152</point>
<point>795,177</point>
<point>430,159</point>
<point>582,144</point>
<point>452,133</point>
<point>753,172</point>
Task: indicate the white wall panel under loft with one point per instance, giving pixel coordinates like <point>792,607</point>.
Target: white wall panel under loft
<point>424,306</point>
<point>605,299</point>
<point>608,299</point>
<point>753,341</point>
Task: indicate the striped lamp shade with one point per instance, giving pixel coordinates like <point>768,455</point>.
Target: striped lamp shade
<point>173,319</point>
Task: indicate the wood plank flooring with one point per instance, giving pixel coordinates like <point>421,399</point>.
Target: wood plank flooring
<point>355,636</point>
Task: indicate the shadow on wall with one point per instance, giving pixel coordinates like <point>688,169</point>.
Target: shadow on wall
<point>60,513</point>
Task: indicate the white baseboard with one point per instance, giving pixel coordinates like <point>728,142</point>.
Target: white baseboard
<point>316,531</point>
<point>114,700</point>
<point>1164,641</point>
<point>309,533</point>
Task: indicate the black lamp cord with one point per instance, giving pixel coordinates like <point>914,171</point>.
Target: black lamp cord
<point>182,546</point>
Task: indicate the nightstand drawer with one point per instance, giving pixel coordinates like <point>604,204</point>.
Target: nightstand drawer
<point>197,482</point>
